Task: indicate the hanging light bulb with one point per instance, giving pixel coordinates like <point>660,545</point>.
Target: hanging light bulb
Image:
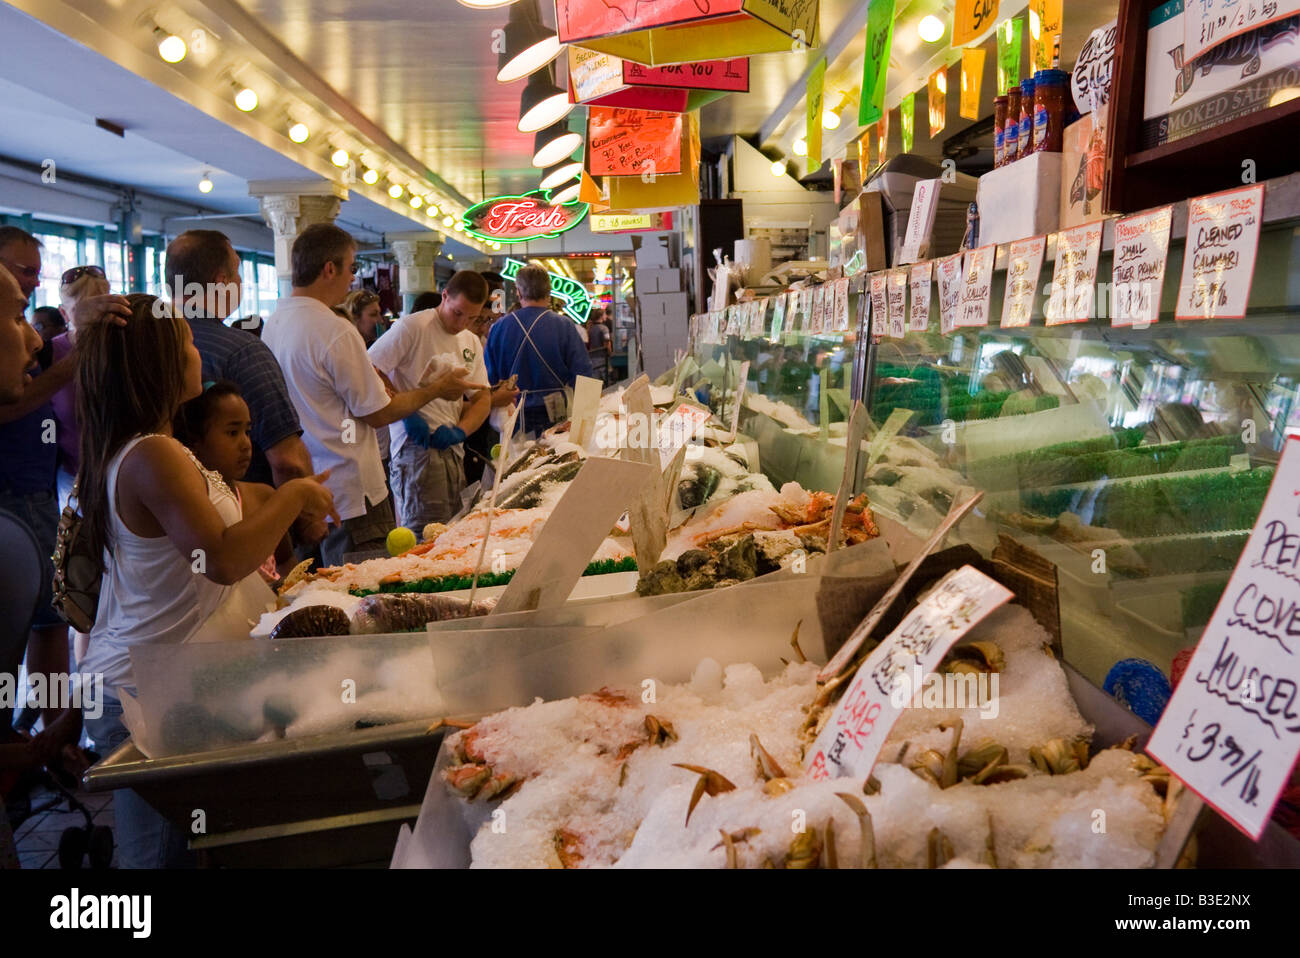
<point>395,191</point>
<point>416,202</point>
<point>553,144</point>
<point>246,100</point>
<point>370,177</point>
<point>432,209</point>
<point>560,173</point>
<point>484,4</point>
<point>542,104</point>
<point>171,48</point>
<point>800,147</point>
<point>778,168</point>
<point>298,133</point>
<point>830,120</point>
<point>930,28</point>
<point>458,226</point>
<point>447,220</point>
<point>339,158</point>
<point>205,184</point>
<point>566,195</point>
<point>528,47</point>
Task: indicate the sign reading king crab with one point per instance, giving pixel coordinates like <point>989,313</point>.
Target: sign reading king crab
<point>514,219</point>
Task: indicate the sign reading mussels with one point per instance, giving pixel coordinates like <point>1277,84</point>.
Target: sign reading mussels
<point>513,219</point>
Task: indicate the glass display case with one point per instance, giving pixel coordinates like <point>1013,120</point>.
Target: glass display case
<point>1136,460</point>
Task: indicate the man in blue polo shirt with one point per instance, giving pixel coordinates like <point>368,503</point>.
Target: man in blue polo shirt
<point>539,346</point>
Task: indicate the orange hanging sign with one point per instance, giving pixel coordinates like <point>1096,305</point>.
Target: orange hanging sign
<point>970,18</point>
<point>622,142</point>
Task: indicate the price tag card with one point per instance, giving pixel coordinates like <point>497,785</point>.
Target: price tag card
<point>918,319</point>
<point>841,305</point>
<point>896,669</point>
<point>1024,264</point>
<point>1138,275</point>
<point>1219,258</point>
<point>879,304</point>
<point>1231,730</point>
<point>1074,279</point>
<point>925,201</point>
<point>778,317</point>
<point>1209,22</point>
<point>977,287</point>
<point>898,303</point>
<point>819,308</point>
<point>950,277</point>
<point>678,428</point>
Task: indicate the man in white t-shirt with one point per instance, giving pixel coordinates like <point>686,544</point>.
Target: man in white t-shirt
<point>427,460</point>
<point>340,398</point>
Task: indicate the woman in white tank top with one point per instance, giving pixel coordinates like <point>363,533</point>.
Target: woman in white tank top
<point>171,534</point>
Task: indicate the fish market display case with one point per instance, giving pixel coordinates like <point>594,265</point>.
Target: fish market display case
<point>1136,460</point>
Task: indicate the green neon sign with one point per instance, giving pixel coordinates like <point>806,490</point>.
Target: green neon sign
<point>574,296</point>
<point>527,216</point>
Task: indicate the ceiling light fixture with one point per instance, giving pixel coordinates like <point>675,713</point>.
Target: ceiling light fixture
<point>566,195</point>
<point>553,144</point>
<point>432,209</point>
<point>340,158</point>
<point>246,99</point>
<point>484,4</point>
<point>416,202</point>
<point>395,191</point>
<point>778,168</point>
<point>930,28</point>
<point>800,147</point>
<point>458,226</point>
<point>205,184</point>
<point>830,120</point>
<point>542,104</point>
<point>529,46</point>
<point>447,220</point>
<point>370,177</point>
<point>560,173</point>
<point>171,47</point>
<point>299,133</point>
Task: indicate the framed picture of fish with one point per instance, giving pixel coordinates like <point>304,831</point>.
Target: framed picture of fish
<point>1190,115</point>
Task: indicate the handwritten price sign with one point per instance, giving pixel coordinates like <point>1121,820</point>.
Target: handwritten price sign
<point>1219,261</point>
<point>624,142</point>
<point>1074,278</point>
<point>852,739</point>
<point>1024,264</point>
<point>897,294</point>
<point>950,276</point>
<point>1138,275</point>
<point>1231,730</point>
<point>977,287</point>
<point>918,320</point>
<point>1210,22</point>
<point>879,304</point>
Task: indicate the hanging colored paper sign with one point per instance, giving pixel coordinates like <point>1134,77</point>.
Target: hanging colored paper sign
<point>1229,731</point>
<point>977,287</point>
<point>683,31</point>
<point>864,155</point>
<point>1219,260</point>
<point>624,142</point>
<point>1074,279</point>
<point>1011,35</point>
<point>629,222</point>
<point>1138,273</point>
<point>879,304</point>
<point>938,95</point>
<point>1207,23</point>
<point>970,18</point>
<point>731,75</point>
<point>813,112</point>
<point>972,78</point>
<point>842,305</point>
<point>593,74</point>
<point>907,121</point>
<point>882,134</point>
<point>918,319</point>
<point>897,293</point>
<point>875,61</point>
<point>649,194</point>
<point>950,285</point>
<point>1044,28</point>
<point>1024,264</point>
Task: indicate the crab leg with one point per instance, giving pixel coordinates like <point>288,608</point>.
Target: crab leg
<point>867,855</point>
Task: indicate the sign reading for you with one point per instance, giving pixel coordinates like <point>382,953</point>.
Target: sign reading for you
<point>1231,731</point>
<point>625,142</point>
<point>1219,262</point>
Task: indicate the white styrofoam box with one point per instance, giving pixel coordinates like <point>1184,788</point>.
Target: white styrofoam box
<point>653,252</point>
<point>658,281</point>
<point>663,304</point>
<point>1021,199</point>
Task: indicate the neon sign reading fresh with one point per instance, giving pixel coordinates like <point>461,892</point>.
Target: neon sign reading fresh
<point>574,296</point>
<point>529,216</point>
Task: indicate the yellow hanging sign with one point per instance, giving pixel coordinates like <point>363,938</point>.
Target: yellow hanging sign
<point>1044,29</point>
<point>816,86</point>
<point>970,18</point>
<point>972,76</point>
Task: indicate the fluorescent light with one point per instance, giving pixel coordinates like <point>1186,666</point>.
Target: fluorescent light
<point>930,28</point>
<point>339,158</point>
<point>395,191</point>
<point>370,177</point>
<point>298,132</point>
<point>246,100</point>
<point>778,168</point>
<point>171,48</point>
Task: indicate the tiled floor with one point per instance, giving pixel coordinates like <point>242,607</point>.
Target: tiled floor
<point>37,838</point>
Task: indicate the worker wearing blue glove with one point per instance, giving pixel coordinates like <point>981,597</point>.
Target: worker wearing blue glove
<point>444,437</point>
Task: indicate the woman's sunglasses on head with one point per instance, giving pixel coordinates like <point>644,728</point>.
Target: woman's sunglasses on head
<point>72,275</point>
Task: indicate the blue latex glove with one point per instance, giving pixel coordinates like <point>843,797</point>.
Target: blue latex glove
<point>444,437</point>
<point>417,429</point>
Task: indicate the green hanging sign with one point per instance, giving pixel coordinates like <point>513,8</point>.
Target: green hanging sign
<point>813,100</point>
<point>907,113</point>
<point>875,62</point>
<point>1010,37</point>
<point>574,296</point>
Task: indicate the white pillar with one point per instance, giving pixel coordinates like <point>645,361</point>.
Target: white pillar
<point>416,254</point>
<point>289,207</point>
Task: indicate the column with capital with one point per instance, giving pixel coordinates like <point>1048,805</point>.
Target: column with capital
<point>416,254</point>
<point>289,207</point>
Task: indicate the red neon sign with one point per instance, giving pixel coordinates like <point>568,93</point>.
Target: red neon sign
<point>513,219</point>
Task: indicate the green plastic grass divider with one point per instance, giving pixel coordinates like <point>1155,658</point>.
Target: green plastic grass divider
<point>454,583</point>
